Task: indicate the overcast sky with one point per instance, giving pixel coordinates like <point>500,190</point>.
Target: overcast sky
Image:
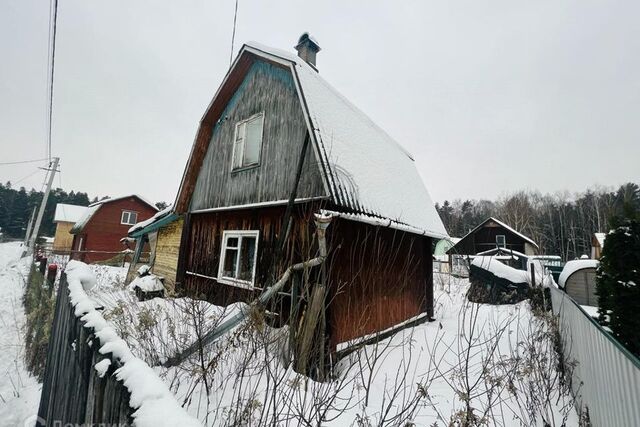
<point>490,97</point>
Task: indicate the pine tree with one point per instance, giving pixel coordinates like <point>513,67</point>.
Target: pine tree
<point>618,283</point>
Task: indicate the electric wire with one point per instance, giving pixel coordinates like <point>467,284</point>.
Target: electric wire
<point>51,72</point>
<point>233,34</point>
<point>20,162</point>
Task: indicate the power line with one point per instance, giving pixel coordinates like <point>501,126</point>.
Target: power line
<point>52,45</point>
<point>233,35</point>
<point>22,162</point>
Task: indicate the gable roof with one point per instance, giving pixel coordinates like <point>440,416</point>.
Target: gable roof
<point>502,224</point>
<point>68,213</point>
<point>115,199</point>
<point>365,172</point>
<point>94,207</point>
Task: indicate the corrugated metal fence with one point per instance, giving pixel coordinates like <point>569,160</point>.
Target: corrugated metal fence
<point>606,379</point>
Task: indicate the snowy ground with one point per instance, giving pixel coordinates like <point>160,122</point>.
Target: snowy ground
<point>19,391</point>
<point>495,360</point>
<point>500,356</point>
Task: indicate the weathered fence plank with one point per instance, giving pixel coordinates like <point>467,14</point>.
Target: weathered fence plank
<point>72,391</point>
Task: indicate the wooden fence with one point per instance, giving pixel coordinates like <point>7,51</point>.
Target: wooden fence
<point>72,392</point>
<point>606,378</point>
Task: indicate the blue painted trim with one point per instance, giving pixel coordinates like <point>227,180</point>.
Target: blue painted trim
<point>155,225</point>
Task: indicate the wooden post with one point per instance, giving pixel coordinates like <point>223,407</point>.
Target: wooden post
<point>533,275</point>
<point>185,242</point>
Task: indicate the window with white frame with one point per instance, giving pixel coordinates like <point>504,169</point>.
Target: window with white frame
<point>247,142</point>
<point>129,218</point>
<point>238,257</point>
<point>501,240</point>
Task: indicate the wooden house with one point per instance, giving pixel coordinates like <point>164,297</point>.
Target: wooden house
<point>161,234</point>
<point>65,218</point>
<point>492,234</point>
<point>597,243</point>
<point>276,145</point>
<point>98,233</point>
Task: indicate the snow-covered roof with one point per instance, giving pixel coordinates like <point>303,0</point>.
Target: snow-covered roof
<point>68,213</point>
<point>366,171</point>
<point>600,237</point>
<point>499,269</point>
<point>573,266</point>
<point>497,221</point>
<point>142,224</point>
<point>84,219</point>
<point>137,196</point>
<point>93,208</point>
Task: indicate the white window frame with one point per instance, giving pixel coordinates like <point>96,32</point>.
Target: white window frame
<point>504,237</point>
<point>244,140</point>
<point>223,253</point>
<point>128,217</point>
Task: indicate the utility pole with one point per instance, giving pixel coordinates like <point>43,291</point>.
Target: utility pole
<point>53,168</point>
<point>27,235</point>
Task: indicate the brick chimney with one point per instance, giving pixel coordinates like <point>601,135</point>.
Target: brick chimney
<point>307,49</point>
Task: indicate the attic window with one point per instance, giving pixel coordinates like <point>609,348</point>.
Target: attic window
<point>247,142</point>
<point>129,218</point>
<point>501,241</point>
<point>238,258</point>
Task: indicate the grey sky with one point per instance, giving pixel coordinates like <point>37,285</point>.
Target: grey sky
<point>490,97</point>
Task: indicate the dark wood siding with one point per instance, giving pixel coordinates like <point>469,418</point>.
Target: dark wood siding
<point>205,236</point>
<point>267,89</point>
<point>377,277</point>
<point>484,239</point>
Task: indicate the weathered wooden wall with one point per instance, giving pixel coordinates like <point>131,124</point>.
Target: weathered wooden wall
<point>167,251</point>
<point>270,89</point>
<point>72,392</point>
<point>104,231</point>
<point>203,251</point>
<point>484,239</point>
<point>379,277</point>
<point>63,240</point>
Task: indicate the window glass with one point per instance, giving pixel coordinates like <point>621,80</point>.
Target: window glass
<point>232,242</point>
<point>500,240</point>
<point>247,255</point>
<point>129,218</point>
<point>237,257</point>
<point>248,142</point>
<point>253,141</point>
<point>230,263</point>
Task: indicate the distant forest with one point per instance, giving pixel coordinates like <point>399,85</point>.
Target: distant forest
<point>562,224</point>
<point>16,207</point>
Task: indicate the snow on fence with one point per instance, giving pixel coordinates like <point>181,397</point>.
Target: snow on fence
<point>606,378</point>
<point>91,376</point>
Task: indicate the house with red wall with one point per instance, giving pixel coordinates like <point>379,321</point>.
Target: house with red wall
<point>98,233</point>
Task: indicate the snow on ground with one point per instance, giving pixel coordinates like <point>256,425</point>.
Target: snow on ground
<point>418,375</point>
<point>19,391</point>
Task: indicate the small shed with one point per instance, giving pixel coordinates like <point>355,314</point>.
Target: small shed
<point>65,218</point>
<point>493,233</point>
<point>441,261</point>
<point>162,233</point>
<point>597,243</point>
<point>578,279</point>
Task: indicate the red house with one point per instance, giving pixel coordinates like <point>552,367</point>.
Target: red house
<point>98,234</point>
